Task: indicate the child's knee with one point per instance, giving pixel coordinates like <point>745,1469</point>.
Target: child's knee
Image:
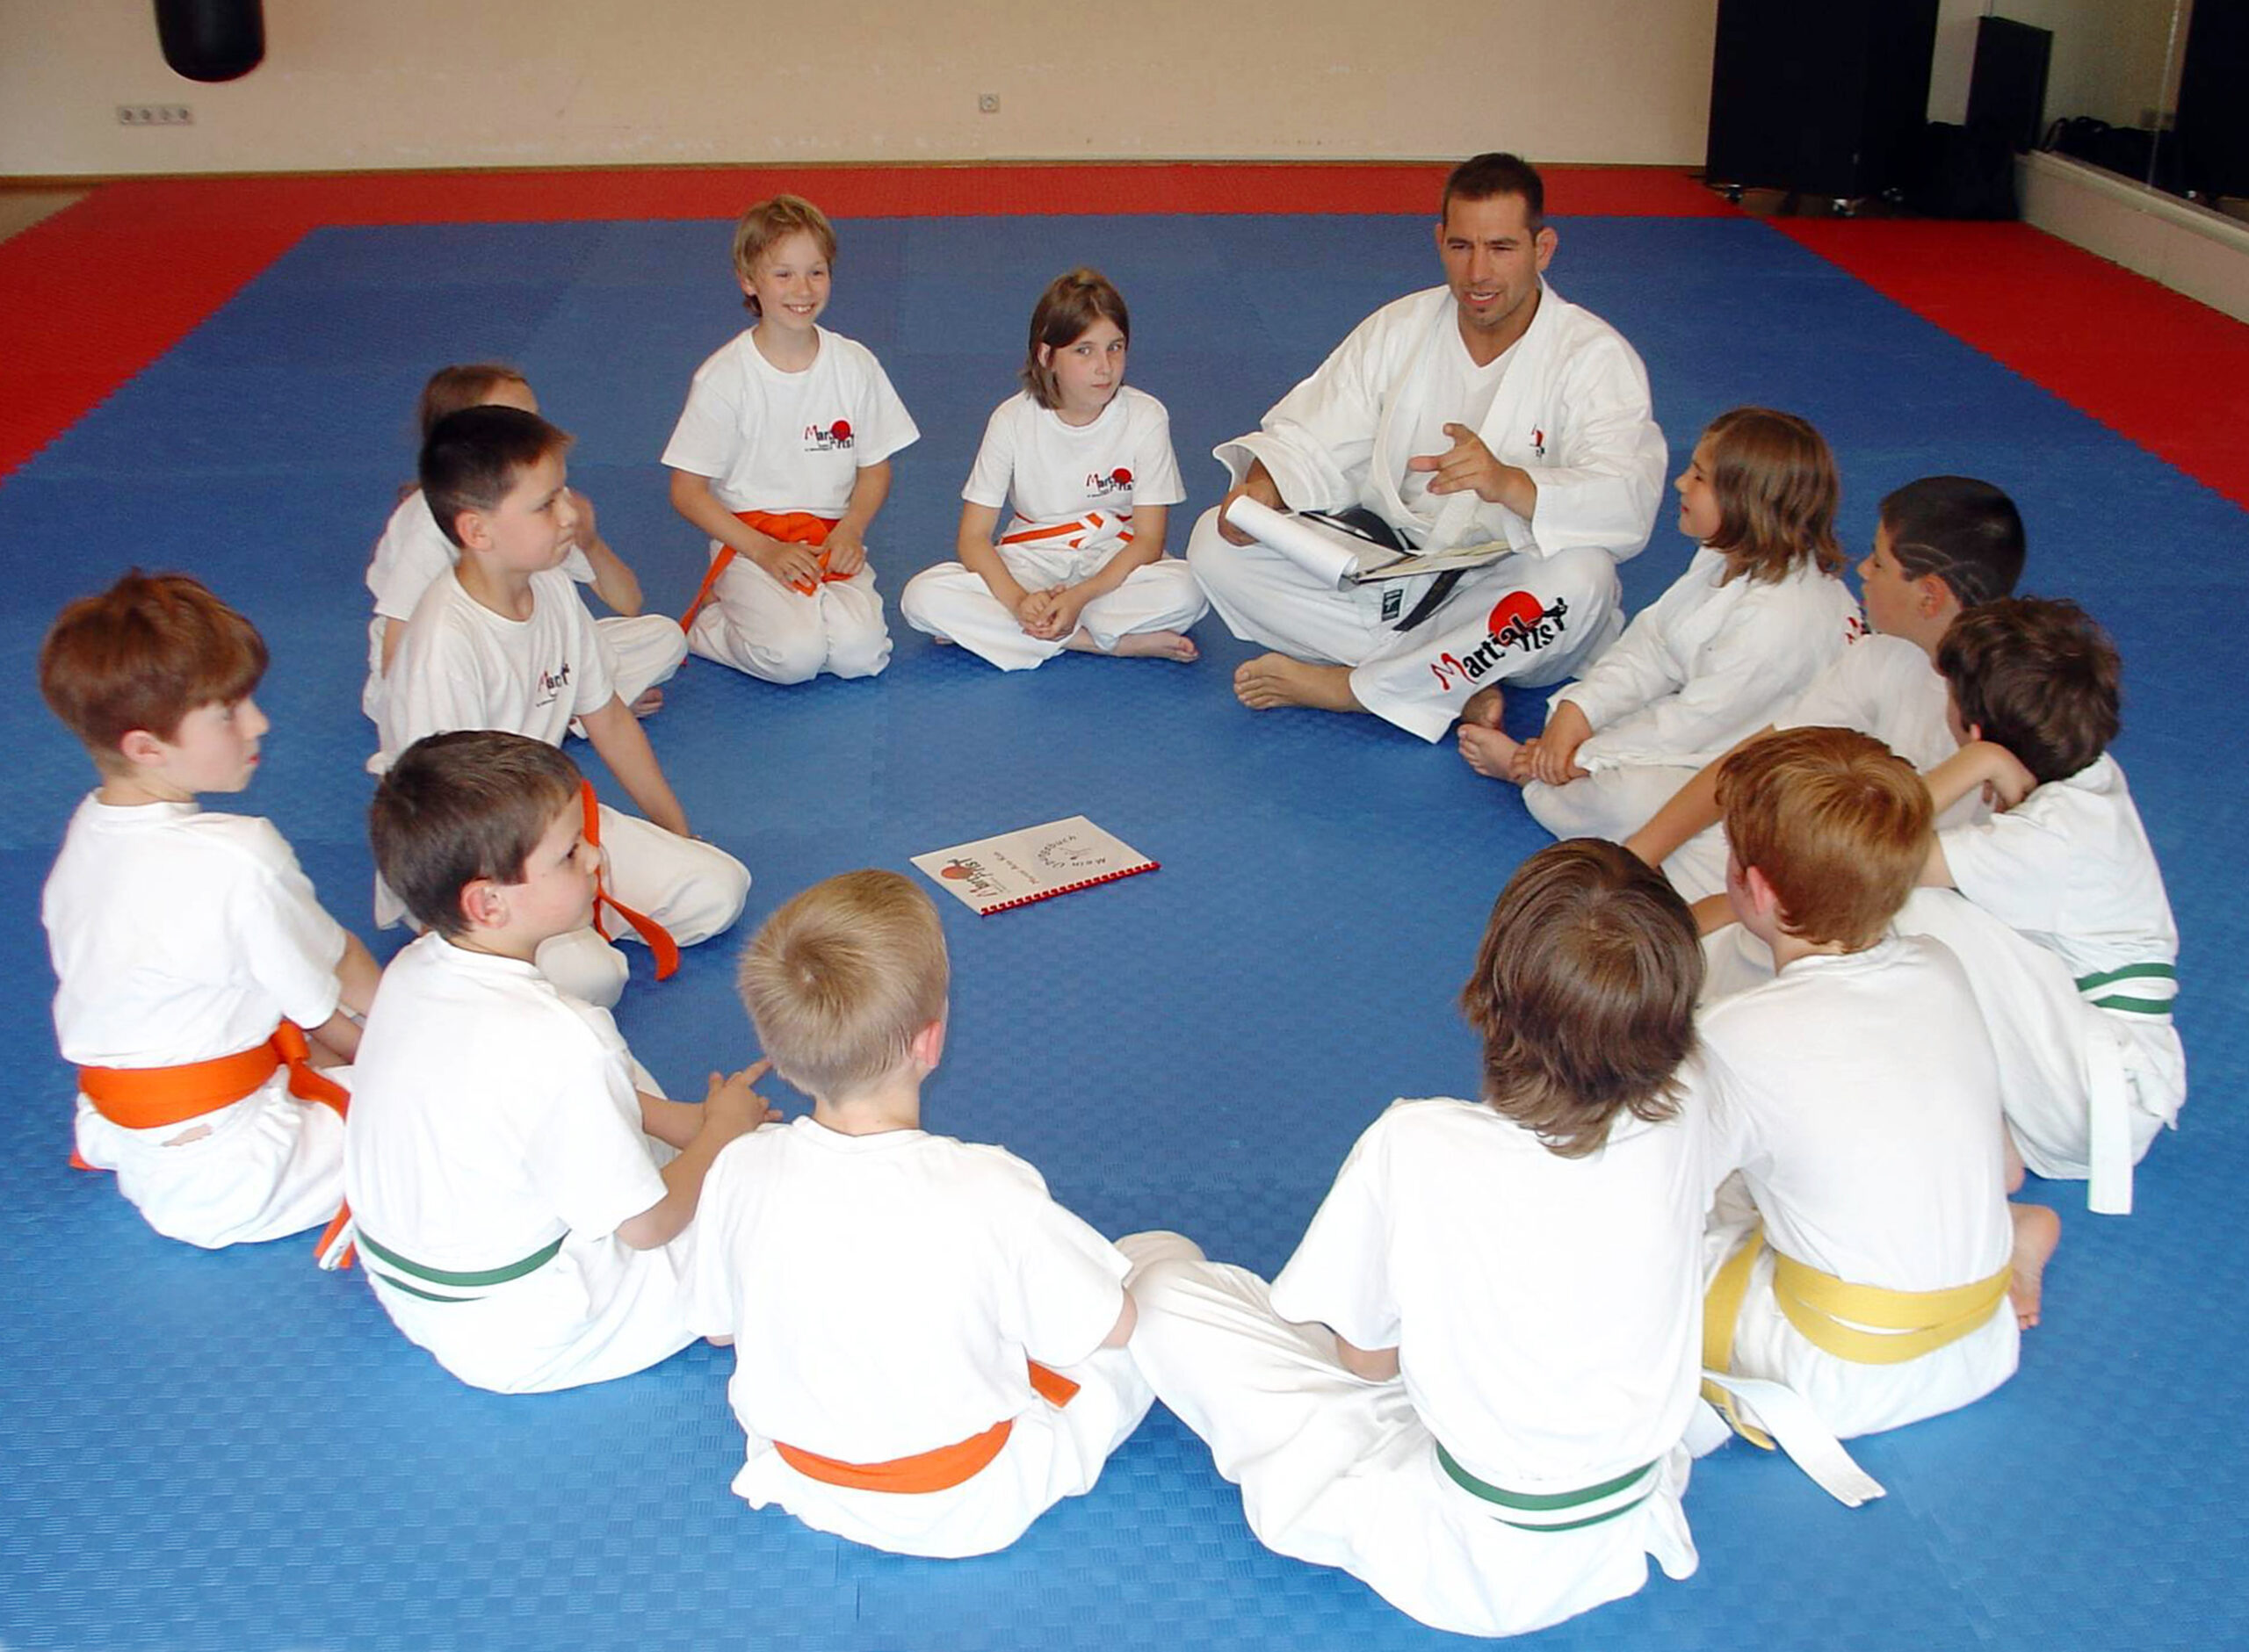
<point>583,965</point>
<point>858,649</point>
<point>788,659</point>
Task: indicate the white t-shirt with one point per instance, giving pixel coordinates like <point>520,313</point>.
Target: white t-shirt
<point>1547,1311</point>
<point>1050,472</point>
<point>883,1291</point>
<point>181,936</point>
<point>408,559</point>
<point>1886,686</point>
<point>490,1115</point>
<point>1456,391</point>
<point>462,666</point>
<point>770,440</point>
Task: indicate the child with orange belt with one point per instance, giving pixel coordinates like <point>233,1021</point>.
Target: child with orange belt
<point>929,1351</point>
<point>782,456</point>
<point>200,979</point>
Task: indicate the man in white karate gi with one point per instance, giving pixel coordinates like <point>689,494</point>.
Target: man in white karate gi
<point>1487,409</point>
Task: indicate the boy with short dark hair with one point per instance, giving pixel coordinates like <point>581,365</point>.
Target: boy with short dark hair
<point>514,1209</point>
<point>1942,544</point>
<point>503,642</point>
<point>929,1350</point>
<point>198,978</point>
<point>1863,1106</point>
<point>2065,927</point>
<point>1472,1385</point>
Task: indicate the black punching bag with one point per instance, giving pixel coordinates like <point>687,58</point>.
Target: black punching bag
<point>211,39</point>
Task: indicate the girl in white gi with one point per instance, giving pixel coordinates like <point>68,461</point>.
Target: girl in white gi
<point>1760,609</point>
<point>2065,927</point>
<point>413,551</point>
<point>1864,1100</point>
<point>1086,463</point>
<point>1942,544</point>
<point>929,1351</point>
<point>517,1188</point>
<point>198,976</point>
<point>1471,1385</point>
<point>782,455</point>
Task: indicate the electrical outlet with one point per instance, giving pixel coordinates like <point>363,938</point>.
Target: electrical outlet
<point>155,115</point>
<point>987,102</point>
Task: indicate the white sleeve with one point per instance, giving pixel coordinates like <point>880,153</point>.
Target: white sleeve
<point>1631,673</point>
<point>276,923</point>
<point>710,434</point>
<point>2014,865</point>
<point>1318,441</point>
<point>1340,1276</point>
<point>1155,467</point>
<point>1836,698</point>
<point>431,696</point>
<point>1607,478</point>
<point>994,474</point>
<point>880,422</point>
<point>1067,1284</point>
<point>1734,684</point>
<point>588,1157</point>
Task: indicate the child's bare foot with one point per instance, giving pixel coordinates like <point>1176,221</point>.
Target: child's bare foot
<point>1484,707</point>
<point>1272,680</point>
<point>1156,644</point>
<point>650,702</point>
<point>1488,751</point>
<point>942,642</point>
<point>2037,1230</point>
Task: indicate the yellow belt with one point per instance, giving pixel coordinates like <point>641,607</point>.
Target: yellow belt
<point>1834,1316</point>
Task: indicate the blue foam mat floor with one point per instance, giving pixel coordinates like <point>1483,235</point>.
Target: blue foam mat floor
<point>234,1451</point>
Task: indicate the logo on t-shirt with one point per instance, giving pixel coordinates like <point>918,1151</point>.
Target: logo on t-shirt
<point>1538,440</point>
<point>1100,485</point>
<point>829,438</point>
<point>551,683</point>
<point>1517,620</point>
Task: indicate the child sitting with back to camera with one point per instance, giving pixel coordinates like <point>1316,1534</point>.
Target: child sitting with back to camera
<point>414,551</point>
<point>1085,461</point>
<point>1759,610</point>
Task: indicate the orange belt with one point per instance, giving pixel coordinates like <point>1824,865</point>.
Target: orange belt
<point>665,949</point>
<point>938,1470</point>
<point>791,526</point>
<point>1091,525</point>
<point>155,1098</point>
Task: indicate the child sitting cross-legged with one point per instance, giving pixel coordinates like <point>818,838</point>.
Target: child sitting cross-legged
<point>517,1181</point>
<point>929,1350</point>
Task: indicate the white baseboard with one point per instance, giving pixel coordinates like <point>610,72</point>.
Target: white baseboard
<point>2188,249</point>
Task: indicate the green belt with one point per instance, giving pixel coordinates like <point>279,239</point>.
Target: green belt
<point>1556,1511</point>
<point>480,1280</point>
<point>2161,979</point>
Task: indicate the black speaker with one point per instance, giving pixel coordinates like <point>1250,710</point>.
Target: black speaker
<point>2212,136</point>
<point>211,39</point>
<point>2006,90</point>
<point>1828,98</point>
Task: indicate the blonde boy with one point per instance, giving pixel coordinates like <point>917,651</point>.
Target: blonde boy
<point>929,1351</point>
<point>512,1175</point>
<point>502,642</point>
<point>198,978</point>
<point>782,456</point>
<point>1472,1385</point>
<point>1863,1104</point>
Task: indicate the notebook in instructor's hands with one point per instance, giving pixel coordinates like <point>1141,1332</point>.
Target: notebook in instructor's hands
<point>1017,868</point>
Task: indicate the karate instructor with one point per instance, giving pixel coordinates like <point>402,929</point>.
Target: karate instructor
<point>1490,409</point>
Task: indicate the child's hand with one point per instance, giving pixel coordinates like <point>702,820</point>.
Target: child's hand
<point>1034,611</point>
<point>732,1107</point>
<point>790,563</point>
<point>2006,781</point>
<point>586,533</point>
<point>847,553</point>
<point>1062,616</point>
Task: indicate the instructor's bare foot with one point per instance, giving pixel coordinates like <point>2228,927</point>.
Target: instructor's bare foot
<point>2037,1230</point>
<point>650,702</point>
<point>1486,750</point>
<point>1272,680</point>
<point>1484,707</point>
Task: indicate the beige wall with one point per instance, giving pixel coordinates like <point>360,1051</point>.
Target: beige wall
<point>350,84</point>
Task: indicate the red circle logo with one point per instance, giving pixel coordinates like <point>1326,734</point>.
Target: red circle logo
<point>1517,608</point>
<point>956,871</point>
<point>1122,477</point>
<point>840,431</point>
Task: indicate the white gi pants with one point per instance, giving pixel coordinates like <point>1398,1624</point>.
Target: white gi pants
<point>695,890</point>
<point>1612,803</point>
<point>267,1167</point>
<point>1523,621</point>
<point>1051,1453</point>
<point>646,650</point>
<point>1341,1471</point>
<point>776,633</point>
<point>951,600</point>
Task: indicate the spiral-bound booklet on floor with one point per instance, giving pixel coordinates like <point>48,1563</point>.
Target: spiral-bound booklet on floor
<point>1017,868</point>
